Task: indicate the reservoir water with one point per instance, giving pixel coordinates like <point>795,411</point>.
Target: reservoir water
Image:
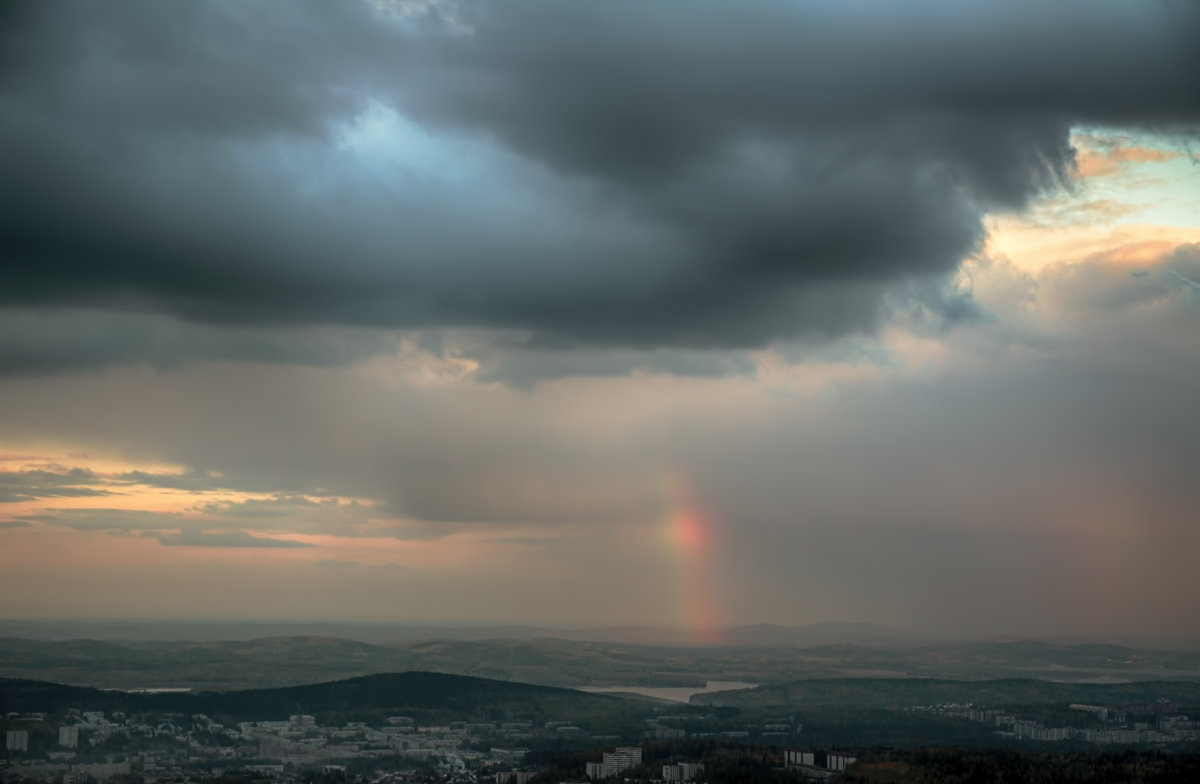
<point>673,693</point>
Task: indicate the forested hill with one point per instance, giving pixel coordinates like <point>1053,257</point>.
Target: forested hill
<point>424,695</point>
<point>888,692</point>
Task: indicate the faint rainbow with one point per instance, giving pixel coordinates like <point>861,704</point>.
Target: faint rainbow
<point>690,536</point>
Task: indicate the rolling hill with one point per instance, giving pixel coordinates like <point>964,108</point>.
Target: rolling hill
<point>426,696</point>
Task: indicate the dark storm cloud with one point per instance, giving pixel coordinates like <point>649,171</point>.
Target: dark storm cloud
<point>37,341</point>
<point>526,363</point>
<point>629,174</point>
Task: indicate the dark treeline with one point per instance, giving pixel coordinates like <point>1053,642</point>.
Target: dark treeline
<point>729,762</point>
<point>995,766</point>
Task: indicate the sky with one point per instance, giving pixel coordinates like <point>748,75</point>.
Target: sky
<point>693,314</point>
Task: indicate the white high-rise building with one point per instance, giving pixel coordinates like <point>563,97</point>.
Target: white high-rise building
<point>634,752</point>
<point>68,737</point>
<point>613,762</point>
<point>16,740</point>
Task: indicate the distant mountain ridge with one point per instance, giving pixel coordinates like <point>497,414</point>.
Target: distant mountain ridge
<point>762,634</point>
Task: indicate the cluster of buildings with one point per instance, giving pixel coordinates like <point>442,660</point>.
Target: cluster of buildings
<point>77,773</point>
<point>682,771</point>
<point>59,763</point>
<point>514,776</point>
<point>1160,724</point>
<point>174,747</point>
<point>16,740</point>
<point>623,758</point>
<point>692,725</point>
<point>614,762</point>
<point>817,765</point>
<point>68,735</point>
<point>301,741</point>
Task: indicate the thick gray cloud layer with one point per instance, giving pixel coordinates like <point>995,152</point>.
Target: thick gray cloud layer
<point>36,341</point>
<point>619,173</point>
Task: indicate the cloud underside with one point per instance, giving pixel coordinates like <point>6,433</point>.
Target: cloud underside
<point>620,175</point>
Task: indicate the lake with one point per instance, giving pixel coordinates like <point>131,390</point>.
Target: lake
<point>672,693</point>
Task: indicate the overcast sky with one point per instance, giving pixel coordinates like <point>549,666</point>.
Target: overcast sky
<point>603,312</point>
